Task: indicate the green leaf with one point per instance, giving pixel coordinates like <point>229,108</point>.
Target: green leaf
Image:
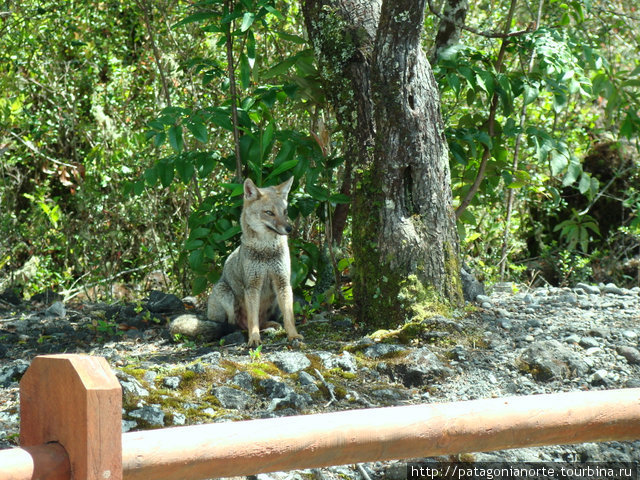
<point>185,168</point>
<point>283,167</point>
<point>318,193</point>
<point>199,131</point>
<point>193,244</point>
<point>251,48</point>
<point>165,172</point>
<point>159,139</point>
<point>573,172</point>
<point>151,176</point>
<point>200,232</point>
<point>245,71</point>
<point>196,17</point>
<point>175,138</point>
<point>339,198</point>
<point>530,94</point>
<point>558,162</point>
<point>266,139</point>
<point>280,68</point>
<point>199,285</point>
<point>247,21</point>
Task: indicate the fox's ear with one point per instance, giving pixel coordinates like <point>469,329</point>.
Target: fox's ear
<point>251,192</point>
<point>283,188</point>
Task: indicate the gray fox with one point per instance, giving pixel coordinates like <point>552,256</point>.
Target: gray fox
<point>255,279</point>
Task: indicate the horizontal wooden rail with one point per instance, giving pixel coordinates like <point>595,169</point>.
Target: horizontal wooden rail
<point>287,443</point>
<point>254,446</point>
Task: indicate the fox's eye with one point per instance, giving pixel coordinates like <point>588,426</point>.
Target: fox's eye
<point>270,213</point>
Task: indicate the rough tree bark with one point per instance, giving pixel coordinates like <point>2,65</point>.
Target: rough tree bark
<point>380,84</point>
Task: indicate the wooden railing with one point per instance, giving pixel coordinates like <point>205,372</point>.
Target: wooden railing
<point>70,428</point>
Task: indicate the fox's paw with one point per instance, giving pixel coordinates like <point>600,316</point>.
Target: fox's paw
<point>254,340</point>
<point>295,336</point>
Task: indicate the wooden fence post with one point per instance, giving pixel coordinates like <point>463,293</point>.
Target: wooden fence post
<point>74,400</point>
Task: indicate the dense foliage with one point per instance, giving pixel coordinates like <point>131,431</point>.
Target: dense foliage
<point>124,128</point>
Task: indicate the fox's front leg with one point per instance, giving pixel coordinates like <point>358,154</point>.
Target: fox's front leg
<point>252,306</point>
<point>285,302</point>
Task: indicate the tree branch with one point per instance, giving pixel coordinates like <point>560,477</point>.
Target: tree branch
<point>486,154</point>
<point>234,95</point>
<point>486,33</point>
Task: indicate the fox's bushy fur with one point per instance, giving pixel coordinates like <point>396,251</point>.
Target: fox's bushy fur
<point>255,279</point>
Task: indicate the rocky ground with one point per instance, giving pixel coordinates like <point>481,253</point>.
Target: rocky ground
<point>512,342</point>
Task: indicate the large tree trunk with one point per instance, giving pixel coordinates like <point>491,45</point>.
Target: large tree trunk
<point>381,86</point>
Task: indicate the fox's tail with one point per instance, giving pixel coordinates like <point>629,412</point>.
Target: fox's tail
<point>193,327</point>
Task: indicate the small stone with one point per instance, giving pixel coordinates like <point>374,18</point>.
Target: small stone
<point>149,376</point>
<point>171,382</point>
<point>234,338</point>
<point>179,418</point>
<point>611,288</point>
<point>505,323</point>
<point>128,425</point>
<point>629,334</point>
<point>529,338</point>
<point>56,310</point>
<point>588,342</point>
<point>244,380</point>
<point>306,379</point>
<point>573,338</point>
<point>631,354</point>
<point>231,397</point>
<point>160,302</point>
<point>590,289</point>
<point>381,350</point>
<point>482,299</point>
<point>290,362</point>
<point>131,386</point>
<point>534,323</point>
<point>599,376</point>
<point>151,414</point>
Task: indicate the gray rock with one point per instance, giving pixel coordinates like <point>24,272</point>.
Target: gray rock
<point>631,354</point>
<point>421,367</point>
<point>390,395</point>
<point>599,332</point>
<point>56,310</point>
<point>306,379</point>
<point>290,362</point>
<point>586,288</point>
<point>179,419</point>
<point>171,382</point>
<point>629,334</point>
<point>231,397</point>
<point>344,361</point>
<point>149,376</point>
<point>243,380</point>
<point>612,289</point>
<point>290,400</point>
<point>234,338</point>
<point>534,323</point>
<point>130,385</point>
<point>573,338</point>
<point>160,302</point>
<point>151,414</point>
<point>128,425</point>
<point>12,372</point>
<point>382,350</point>
<point>588,342</point>
<point>274,389</point>
<point>482,299</point>
<point>550,360</point>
